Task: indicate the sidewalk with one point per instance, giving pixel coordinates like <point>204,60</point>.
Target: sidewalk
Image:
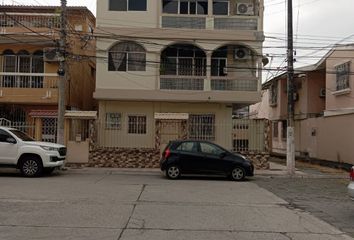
<point>303,170</point>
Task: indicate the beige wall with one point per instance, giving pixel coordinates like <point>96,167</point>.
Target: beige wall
<point>121,137</point>
<point>327,138</point>
<point>341,101</point>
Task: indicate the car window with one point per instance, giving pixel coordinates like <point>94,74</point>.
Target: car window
<point>210,149</point>
<point>187,147</point>
<point>4,135</point>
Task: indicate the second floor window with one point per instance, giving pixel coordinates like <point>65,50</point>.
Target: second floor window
<point>342,76</point>
<point>221,7</point>
<point>273,94</point>
<point>199,7</point>
<point>127,5</point>
<point>127,56</point>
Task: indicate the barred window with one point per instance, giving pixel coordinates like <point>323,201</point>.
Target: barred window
<point>137,124</point>
<point>342,76</point>
<point>127,56</point>
<point>273,94</point>
<point>202,126</point>
<point>113,120</point>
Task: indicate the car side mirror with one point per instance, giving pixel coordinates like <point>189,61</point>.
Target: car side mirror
<point>11,140</point>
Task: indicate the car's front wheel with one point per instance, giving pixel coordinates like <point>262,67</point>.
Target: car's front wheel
<point>238,174</point>
<point>173,172</point>
<point>31,166</point>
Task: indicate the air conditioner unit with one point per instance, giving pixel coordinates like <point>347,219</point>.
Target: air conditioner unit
<point>322,92</point>
<point>245,9</point>
<point>242,54</point>
<point>51,55</point>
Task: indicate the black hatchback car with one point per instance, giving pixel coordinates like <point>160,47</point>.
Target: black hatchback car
<point>202,157</point>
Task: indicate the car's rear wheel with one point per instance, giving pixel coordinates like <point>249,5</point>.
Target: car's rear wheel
<point>31,166</point>
<point>238,174</point>
<point>173,172</point>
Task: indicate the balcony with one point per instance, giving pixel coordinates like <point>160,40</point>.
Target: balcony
<point>199,83</point>
<point>210,23</point>
<point>29,88</point>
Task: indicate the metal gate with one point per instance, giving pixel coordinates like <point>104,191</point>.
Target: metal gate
<point>49,130</point>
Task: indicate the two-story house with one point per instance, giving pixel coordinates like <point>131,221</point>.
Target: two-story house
<point>324,108</point>
<point>170,69</point>
<point>29,63</point>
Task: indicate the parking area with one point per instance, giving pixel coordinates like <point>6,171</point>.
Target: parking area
<point>111,204</point>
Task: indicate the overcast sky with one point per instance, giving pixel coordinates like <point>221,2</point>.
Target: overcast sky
<point>317,23</point>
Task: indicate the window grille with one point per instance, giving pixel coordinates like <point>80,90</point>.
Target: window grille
<point>202,127</point>
<point>342,76</point>
<point>137,124</point>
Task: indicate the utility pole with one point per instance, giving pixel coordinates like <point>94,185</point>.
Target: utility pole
<point>62,74</point>
<point>290,143</point>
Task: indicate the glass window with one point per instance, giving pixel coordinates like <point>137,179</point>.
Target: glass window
<point>284,128</point>
<point>170,6</point>
<point>127,56</point>
<point>210,149</point>
<point>137,5</point>
<point>118,5</point>
<point>342,76</point>
<point>202,7</point>
<point>220,7</point>
<point>188,147</point>
<point>183,7</point>
<point>4,135</point>
<point>137,124</point>
<point>127,5</point>
<point>113,120</point>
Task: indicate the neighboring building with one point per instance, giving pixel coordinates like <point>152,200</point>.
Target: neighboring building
<point>324,108</point>
<point>28,66</point>
<point>170,69</point>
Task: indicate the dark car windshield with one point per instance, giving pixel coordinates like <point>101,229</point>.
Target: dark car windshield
<point>21,135</point>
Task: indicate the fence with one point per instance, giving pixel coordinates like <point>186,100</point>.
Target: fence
<point>239,135</point>
<point>25,127</point>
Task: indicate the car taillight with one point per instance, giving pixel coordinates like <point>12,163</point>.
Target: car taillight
<point>352,174</point>
<point>167,153</point>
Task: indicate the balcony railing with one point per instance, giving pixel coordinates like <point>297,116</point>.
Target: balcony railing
<point>211,23</point>
<point>229,84</point>
<point>182,83</point>
<point>32,20</point>
<point>200,83</point>
<point>28,80</point>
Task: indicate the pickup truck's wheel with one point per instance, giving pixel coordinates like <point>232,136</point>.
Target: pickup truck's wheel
<point>31,166</point>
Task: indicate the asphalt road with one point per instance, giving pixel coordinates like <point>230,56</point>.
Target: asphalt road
<point>323,193</point>
<point>91,204</point>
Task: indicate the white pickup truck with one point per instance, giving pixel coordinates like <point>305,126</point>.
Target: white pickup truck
<point>33,158</point>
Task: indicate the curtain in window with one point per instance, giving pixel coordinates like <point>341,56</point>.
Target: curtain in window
<point>127,52</point>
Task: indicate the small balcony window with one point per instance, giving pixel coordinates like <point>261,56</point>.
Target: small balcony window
<point>220,7</point>
<point>199,7</point>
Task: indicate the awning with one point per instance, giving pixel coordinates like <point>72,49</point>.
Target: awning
<point>81,114</point>
<point>43,113</point>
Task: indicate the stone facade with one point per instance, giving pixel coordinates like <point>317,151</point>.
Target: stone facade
<point>124,158</point>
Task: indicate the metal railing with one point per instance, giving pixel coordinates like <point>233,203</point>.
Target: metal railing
<point>244,135</point>
<point>182,83</point>
<point>30,20</point>
<point>227,84</point>
<point>28,80</point>
<point>215,22</point>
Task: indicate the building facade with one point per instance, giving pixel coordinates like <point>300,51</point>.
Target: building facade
<point>324,108</point>
<point>174,69</point>
<point>29,63</point>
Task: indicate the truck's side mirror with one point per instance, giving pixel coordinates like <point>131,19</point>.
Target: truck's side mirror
<point>11,140</point>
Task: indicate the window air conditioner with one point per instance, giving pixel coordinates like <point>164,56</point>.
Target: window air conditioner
<point>51,55</point>
<point>245,9</point>
<point>242,54</point>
